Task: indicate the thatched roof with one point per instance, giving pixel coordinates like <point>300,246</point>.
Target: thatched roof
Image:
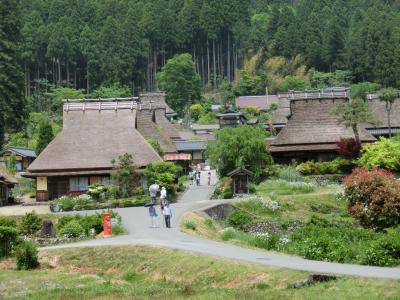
<point>7,177</point>
<point>378,109</point>
<point>91,138</point>
<point>312,122</point>
<point>156,99</point>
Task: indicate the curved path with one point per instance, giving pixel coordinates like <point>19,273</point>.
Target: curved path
<point>137,222</point>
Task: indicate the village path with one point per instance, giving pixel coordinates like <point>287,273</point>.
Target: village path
<point>137,222</point>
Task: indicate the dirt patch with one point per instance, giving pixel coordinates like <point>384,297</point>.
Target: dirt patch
<point>243,283</point>
<point>15,210</point>
<point>8,264</point>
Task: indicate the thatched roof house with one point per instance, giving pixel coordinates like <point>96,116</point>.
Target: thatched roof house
<point>7,182</point>
<point>94,133</point>
<point>152,121</point>
<point>378,110</point>
<point>312,131</point>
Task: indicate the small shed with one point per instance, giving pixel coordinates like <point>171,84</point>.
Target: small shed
<point>240,180</point>
<point>24,156</point>
<point>7,182</point>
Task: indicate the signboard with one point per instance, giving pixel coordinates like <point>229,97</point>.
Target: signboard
<point>177,156</point>
<point>41,183</point>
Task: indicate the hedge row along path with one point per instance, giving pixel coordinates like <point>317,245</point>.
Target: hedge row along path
<point>137,222</point>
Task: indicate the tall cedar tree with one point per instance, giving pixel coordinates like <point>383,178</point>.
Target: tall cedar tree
<point>180,81</point>
<point>45,136</point>
<point>12,103</point>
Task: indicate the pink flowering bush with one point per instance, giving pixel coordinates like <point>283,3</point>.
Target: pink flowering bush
<point>373,197</point>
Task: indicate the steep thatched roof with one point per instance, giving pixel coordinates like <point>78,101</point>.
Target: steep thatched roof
<point>156,99</point>
<point>378,109</point>
<point>7,177</point>
<point>312,122</point>
<point>93,134</point>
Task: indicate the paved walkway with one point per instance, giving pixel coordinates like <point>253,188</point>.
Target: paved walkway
<point>137,222</point>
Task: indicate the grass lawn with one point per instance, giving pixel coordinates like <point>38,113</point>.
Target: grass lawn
<point>141,272</point>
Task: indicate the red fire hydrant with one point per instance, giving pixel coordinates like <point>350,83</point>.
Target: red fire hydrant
<point>107,231</point>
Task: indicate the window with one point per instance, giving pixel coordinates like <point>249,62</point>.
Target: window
<point>78,184</point>
<point>18,166</point>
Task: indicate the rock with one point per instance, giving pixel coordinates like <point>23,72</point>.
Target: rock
<point>313,278</point>
<point>321,277</point>
<point>47,230</point>
<point>54,207</point>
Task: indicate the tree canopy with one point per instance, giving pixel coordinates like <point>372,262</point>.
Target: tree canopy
<point>236,147</point>
<point>179,79</point>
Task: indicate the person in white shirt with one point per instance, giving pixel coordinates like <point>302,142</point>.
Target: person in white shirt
<point>163,198</point>
<point>167,215</point>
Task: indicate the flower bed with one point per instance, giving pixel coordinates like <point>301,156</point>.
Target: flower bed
<point>86,202</point>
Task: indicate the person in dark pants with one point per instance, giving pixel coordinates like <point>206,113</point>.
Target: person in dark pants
<point>167,215</point>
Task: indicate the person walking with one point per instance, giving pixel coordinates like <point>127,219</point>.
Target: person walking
<point>153,216</point>
<point>209,178</point>
<point>153,192</point>
<point>163,197</point>
<point>198,178</point>
<point>167,215</point>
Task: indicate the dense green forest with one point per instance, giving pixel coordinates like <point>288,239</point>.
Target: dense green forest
<point>51,45</point>
<point>88,42</point>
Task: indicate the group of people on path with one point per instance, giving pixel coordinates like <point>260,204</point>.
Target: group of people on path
<point>164,205</point>
<point>195,176</point>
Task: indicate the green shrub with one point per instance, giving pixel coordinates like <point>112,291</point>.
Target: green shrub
<point>139,191</point>
<point>289,173</point>
<point>227,192</point>
<point>239,219</point>
<point>183,179</point>
<point>30,223</point>
<point>66,203</point>
<point>91,222</point>
<point>190,225</point>
<point>382,154</point>
<point>265,241</point>
<point>72,229</point>
<point>26,254</point>
<point>339,165</point>
<point>141,201</point>
<point>97,191</point>
<point>164,174</point>
<point>209,223</point>
<point>118,230</point>
<point>65,220</point>
<point>252,188</point>
<point>8,222</point>
<point>228,234</point>
<point>384,251</point>
<point>8,238</point>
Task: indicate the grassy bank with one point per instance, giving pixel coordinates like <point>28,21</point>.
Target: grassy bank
<point>300,219</point>
<point>146,272</point>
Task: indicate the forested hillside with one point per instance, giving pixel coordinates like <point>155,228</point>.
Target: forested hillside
<point>83,43</point>
<point>54,49</point>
